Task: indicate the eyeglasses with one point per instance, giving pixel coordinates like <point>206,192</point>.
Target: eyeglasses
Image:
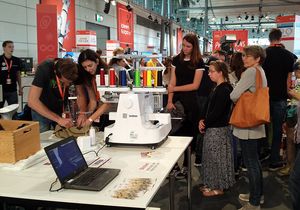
<point>211,71</point>
<point>245,55</point>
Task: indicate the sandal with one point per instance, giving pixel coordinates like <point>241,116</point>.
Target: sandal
<point>204,188</point>
<point>211,193</point>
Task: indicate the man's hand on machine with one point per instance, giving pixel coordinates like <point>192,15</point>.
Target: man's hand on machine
<point>65,122</point>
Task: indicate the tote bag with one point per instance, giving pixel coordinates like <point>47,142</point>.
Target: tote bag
<point>252,109</point>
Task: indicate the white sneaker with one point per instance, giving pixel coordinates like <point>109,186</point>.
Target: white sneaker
<point>248,206</point>
<point>245,197</point>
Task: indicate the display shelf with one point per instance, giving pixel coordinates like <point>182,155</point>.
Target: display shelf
<point>112,100</point>
<point>114,89</point>
<point>149,90</point>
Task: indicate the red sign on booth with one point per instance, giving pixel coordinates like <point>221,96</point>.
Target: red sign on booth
<point>241,39</point>
<point>125,26</point>
<point>46,32</point>
<point>179,39</point>
<point>65,23</point>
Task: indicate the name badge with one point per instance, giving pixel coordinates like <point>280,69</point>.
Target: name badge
<point>63,115</point>
<point>8,81</point>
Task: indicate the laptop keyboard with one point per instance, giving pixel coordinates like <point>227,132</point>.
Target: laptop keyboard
<point>88,177</point>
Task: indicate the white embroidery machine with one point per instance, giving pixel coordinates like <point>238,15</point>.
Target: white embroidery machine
<point>136,123</point>
<point>135,120</point>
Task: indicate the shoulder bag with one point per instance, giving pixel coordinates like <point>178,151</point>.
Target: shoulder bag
<point>252,109</point>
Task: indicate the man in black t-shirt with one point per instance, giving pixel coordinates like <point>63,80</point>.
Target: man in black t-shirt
<point>278,67</point>
<point>49,92</point>
<point>10,74</point>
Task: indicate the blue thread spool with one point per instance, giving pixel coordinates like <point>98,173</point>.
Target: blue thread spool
<point>122,78</point>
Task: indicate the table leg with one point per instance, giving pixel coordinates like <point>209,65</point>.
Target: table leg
<point>172,189</point>
<point>189,179</point>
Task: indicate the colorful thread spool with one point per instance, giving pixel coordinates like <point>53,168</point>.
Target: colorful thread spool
<point>102,78</point>
<point>112,78</point>
<point>145,78</point>
<point>159,79</point>
<point>122,78</point>
<point>137,78</point>
<point>149,78</point>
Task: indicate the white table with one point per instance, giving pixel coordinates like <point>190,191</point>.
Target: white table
<point>33,184</point>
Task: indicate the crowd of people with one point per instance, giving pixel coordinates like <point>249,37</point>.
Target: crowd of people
<point>207,88</point>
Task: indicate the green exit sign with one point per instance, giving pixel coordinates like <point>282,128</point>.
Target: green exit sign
<point>98,18</point>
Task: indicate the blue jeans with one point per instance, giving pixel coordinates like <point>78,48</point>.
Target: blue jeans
<point>252,163</point>
<point>45,123</point>
<point>294,184</point>
<point>277,112</point>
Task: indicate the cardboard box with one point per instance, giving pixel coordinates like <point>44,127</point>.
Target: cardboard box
<point>18,140</point>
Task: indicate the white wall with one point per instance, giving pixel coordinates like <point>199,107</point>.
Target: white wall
<point>18,23</point>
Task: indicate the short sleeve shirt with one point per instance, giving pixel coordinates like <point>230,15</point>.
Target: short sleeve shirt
<point>16,65</point>
<point>184,71</point>
<point>45,78</point>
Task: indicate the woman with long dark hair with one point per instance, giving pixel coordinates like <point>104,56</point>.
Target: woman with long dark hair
<point>186,74</point>
<point>89,64</point>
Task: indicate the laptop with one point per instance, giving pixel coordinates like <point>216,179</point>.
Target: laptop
<point>72,170</point>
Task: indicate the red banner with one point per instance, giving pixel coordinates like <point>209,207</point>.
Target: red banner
<point>241,39</point>
<point>286,19</point>
<point>46,32</point>
<point>65,23</point>
<point>179,39</point>
<point>125,26</point>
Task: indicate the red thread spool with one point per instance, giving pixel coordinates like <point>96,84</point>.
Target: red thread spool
<point>102,80</point>
<point>112,78</point>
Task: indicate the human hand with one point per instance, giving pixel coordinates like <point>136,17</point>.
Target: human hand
<point>20,92</point>
<point>81,120</point>
<point>170,106</point>
<point>87,122</point>
<point>201,126</point>
<point>65,122</point>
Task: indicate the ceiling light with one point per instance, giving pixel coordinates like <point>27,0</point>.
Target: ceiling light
<point>267,17</point>
<point>188,19</point>
<point>226,18</point>
<point>156,21</point>
<point>113,2</point>
<point>201,19</point>
<point>106,1</point>
<point>150,17</point>
<point>239,18</point>
<point>106,7</point>
<point>177,20</point>
<point>129,8</point>
<point>246,17</point>
<point>252,17</point>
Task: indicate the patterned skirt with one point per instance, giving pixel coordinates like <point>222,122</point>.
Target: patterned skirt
<point>217,159</point>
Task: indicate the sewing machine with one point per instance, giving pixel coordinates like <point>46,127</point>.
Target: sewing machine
<point>136,122</point>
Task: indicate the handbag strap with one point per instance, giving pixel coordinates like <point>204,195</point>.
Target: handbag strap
<point>258,79</point>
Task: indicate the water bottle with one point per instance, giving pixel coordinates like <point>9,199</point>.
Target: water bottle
<point>293,79</point>
<point>92,136</point>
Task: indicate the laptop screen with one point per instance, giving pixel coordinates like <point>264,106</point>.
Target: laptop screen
<point>66,159</point>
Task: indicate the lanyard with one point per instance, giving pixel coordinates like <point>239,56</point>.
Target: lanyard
<point>95,88</point>
<point>8,67</point>
<point>62,92</point>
